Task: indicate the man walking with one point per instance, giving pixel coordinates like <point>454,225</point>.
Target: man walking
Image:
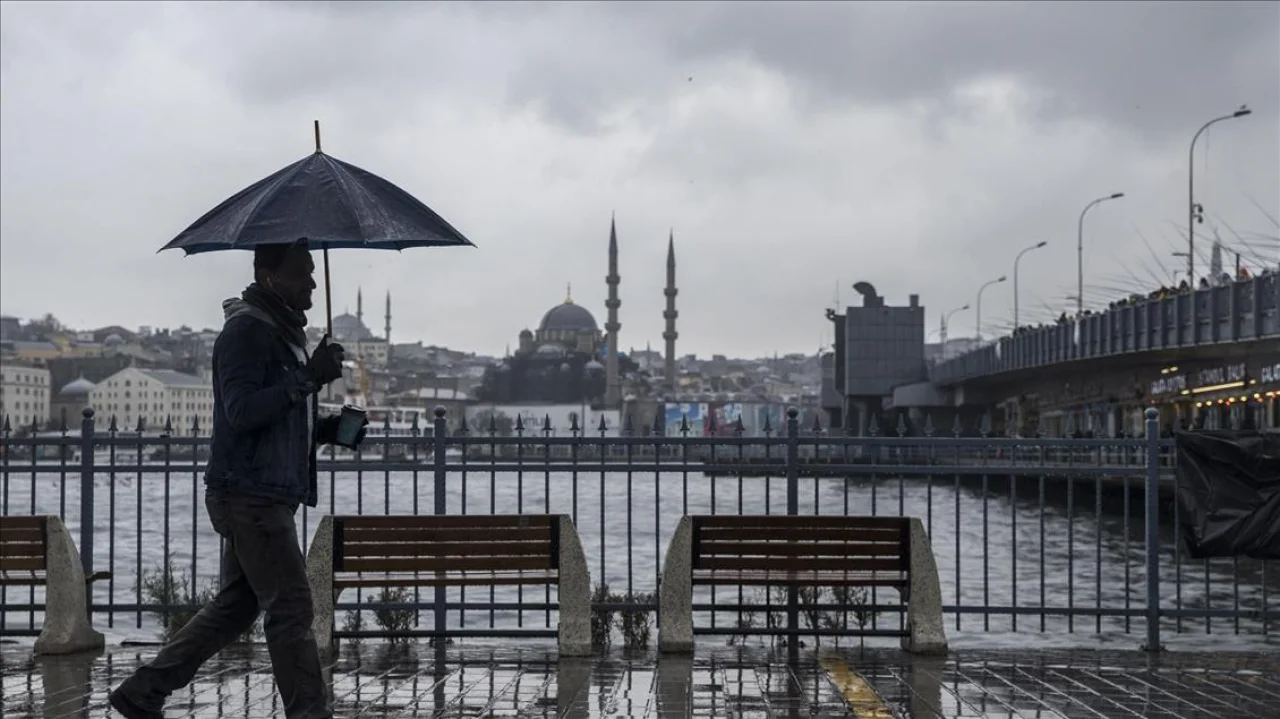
<point>262,466</point>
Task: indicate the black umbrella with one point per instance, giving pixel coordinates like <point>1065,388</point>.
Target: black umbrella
<point>327,202</point>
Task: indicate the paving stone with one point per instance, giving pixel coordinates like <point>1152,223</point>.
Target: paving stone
<point>384,682</point>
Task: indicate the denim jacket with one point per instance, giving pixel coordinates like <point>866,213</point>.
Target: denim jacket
<point>264,417</point>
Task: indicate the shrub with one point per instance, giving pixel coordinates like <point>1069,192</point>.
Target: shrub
<point>164,587</point>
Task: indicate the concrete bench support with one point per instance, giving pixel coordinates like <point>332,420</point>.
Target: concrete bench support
<point>924,600</point>
<point>66,627</point>
<point>675,596</point>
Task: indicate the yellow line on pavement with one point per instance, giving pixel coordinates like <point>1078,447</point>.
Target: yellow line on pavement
<point>863,701</point>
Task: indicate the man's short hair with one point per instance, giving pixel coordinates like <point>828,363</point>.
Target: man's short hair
<point>271,257</point>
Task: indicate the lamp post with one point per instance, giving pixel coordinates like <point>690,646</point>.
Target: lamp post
<point>1017,259</point>
<point>1080,249</point>
<point>998,280</point>
<point>1191,197</point>
<point>942,328</point>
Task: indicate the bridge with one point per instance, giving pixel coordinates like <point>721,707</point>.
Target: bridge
<point>1202,323</point>
<point>1203,358</point>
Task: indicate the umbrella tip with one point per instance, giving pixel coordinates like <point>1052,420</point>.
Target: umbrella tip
<point>316,125</point>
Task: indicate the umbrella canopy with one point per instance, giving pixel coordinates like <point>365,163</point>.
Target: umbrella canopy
<point>327,202</point>
<point>330,203</point>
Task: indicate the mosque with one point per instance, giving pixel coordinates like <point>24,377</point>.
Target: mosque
<point>569,359</point>
<point>351,332</point>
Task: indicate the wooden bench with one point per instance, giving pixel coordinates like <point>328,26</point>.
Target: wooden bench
<point>452,550</point>
<point>37,551</point>
<point>794,551</point>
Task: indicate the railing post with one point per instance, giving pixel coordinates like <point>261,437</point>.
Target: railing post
<point>1153,530</point>
<point>793,461</point>
<point>439,435</point>
<point>793,508</point>
<point>86,494</point>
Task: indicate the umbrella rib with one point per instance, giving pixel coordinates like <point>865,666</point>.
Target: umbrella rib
<point>269,192</point>
<point>339,175</point>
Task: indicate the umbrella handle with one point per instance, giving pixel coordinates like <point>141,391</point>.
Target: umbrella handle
<point>328,296</point>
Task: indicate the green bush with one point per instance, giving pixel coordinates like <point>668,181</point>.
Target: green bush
<point>601,618</point>
<point>807,599</point>
<point>636,623</point>
<point>392,621</point>
<point>165,587</point>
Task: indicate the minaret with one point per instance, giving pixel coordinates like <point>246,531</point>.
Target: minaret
<point>388,327</point>
<point>360,305</point>
<point>670,315</point>
<point>613,386</point>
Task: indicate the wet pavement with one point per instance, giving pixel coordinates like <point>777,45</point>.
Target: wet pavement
<point>381,680</point>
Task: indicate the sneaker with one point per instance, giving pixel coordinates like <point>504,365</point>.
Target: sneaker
<point>125,706</point>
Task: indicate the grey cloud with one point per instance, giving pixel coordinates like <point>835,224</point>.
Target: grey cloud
<point>1144,64</point>
<point>816,144</point>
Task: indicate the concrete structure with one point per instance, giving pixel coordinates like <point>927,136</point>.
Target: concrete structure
<point>613,384</point>
<point>155,397</point>
<point>923,597</point>
<point>877,348</point>
<point>670,314</point>
<point>66,627</point>
<point>573,588</point>
<point>24,395</point>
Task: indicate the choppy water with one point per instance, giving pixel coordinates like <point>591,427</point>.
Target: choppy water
<point>992,549</point>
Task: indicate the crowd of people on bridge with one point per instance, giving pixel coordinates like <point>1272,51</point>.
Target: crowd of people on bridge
<point>1160,293</point>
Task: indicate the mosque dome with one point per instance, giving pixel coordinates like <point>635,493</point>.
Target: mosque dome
<point>349,327</point>
<point>569,317</point>
<point>77,388</point>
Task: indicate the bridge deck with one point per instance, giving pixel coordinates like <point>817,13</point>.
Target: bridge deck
<point>380,680</point>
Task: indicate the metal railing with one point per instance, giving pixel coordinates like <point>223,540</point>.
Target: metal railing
<point>1239,311</point>
<point>1052,536</point>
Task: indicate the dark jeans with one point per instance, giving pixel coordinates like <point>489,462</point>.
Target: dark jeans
<point>263,569</point>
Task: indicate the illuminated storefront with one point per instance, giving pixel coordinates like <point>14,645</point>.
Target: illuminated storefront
<point>1229,395</point>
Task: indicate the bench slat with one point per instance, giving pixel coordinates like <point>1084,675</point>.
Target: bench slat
<point>443,564</point>
<point>785,578</point>
<point>786,521</point>
<point>802,549</point>
<point>21,549</point>
<point>20,521</point>
<point>27,564</point>
<point>444,534</point>
<point>348,581</point>
<point>364,550</point>
<point>854,534</point>
<point>451,520</point>
<point>783,564</point>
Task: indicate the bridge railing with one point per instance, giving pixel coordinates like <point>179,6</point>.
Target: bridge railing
<point>1052,536</point>
<point>1239,311</point>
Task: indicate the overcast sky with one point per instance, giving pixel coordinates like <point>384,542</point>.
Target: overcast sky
<point>794,148</point>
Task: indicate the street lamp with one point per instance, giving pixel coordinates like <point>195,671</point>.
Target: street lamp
<point>998,280</point>
<point>1192,213</point>
<point>942,328</point>
<point>1036,246</point>
<point>1080,249</point>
